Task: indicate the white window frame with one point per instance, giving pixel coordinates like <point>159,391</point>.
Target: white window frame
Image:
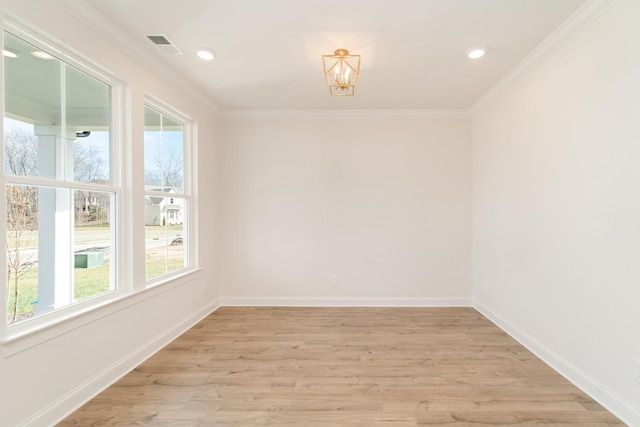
<point>23,330</point>
<point>189,219</point>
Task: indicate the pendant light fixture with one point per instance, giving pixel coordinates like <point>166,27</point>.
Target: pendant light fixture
<point>341,71</point>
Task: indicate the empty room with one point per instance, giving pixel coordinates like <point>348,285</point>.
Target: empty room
<point>320,213</point>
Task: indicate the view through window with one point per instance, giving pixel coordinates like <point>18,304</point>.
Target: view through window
<point>59,185</point>
<point>166,202</point>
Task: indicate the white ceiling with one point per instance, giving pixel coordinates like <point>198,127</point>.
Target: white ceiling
<point>269,51</point>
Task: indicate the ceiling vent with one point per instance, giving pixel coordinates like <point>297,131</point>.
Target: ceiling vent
<point>165,45</point>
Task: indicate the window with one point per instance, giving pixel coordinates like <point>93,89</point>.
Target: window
<point>61,191</point>
<point>167,197</point>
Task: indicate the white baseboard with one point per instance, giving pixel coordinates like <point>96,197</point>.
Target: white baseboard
<point>346,302</point>
<point>70,402</point>
<point>615,404</point>
<point>67,404</point>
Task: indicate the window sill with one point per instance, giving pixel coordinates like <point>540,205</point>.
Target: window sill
<point>35,331</point>
<point>169,277</point>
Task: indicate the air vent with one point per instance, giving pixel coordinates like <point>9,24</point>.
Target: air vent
<point>165,45</point>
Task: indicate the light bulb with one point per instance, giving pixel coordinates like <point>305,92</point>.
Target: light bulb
<point>207,55</point>
<point>476,53</point>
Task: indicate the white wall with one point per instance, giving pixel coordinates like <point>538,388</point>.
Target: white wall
<point>43,382</point>
<point>384,202</point>
<point>380,201</point>
<point>556,209</point>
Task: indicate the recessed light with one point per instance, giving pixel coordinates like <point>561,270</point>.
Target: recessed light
<point>475,53</point>
<point>9,53</point>
<point>206,54</point>
<point>42,55</point>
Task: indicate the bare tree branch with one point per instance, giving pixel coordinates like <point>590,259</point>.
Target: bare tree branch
<point>21,223</point>
<point>169,171</point>
<point>21,152</point>
<point>88,164</point>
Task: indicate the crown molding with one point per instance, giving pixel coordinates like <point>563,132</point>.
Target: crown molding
<point>432,114</point>
<point>577,22</point>
<point>584,16</point>
<point>97,22</point>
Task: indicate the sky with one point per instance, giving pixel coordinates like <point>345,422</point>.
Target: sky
<point>154,141</point>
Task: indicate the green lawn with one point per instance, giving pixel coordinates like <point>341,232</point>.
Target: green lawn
<point>158,267</point>
<point>89,282</point>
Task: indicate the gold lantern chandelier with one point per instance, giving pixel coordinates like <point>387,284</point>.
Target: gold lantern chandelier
<point>341,71</point>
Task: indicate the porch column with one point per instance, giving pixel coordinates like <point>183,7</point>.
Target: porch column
<point>55,223</point>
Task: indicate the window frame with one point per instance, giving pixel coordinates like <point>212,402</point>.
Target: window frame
<point>26,327</point>
<point>128,253</point>
<point>188,171</point>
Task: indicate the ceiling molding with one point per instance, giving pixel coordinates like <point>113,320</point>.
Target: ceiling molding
<point>432,114</point>
<point>102,26</point>
<point>93,19</point>
<point>558,38</point>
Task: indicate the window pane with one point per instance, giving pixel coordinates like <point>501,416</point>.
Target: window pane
<point>32,95</point>
<point>20,148</point>
<point>33,118</point>
<point>91,155</point>
<point>22,252</point>
<point>88,119</point>
<point>164,235</point>
<point>92,244</point>
<point>40,255</point>
<point>163,152</point>
<point>57,127</point>
<point>152,147</point>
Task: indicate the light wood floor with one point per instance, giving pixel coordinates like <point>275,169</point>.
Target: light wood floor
<point>343,367</point>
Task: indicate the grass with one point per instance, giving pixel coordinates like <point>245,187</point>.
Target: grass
<point>159,267</point>
<point>91,282</point>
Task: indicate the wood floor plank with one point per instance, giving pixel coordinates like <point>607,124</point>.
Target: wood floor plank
<point>245,366</point>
